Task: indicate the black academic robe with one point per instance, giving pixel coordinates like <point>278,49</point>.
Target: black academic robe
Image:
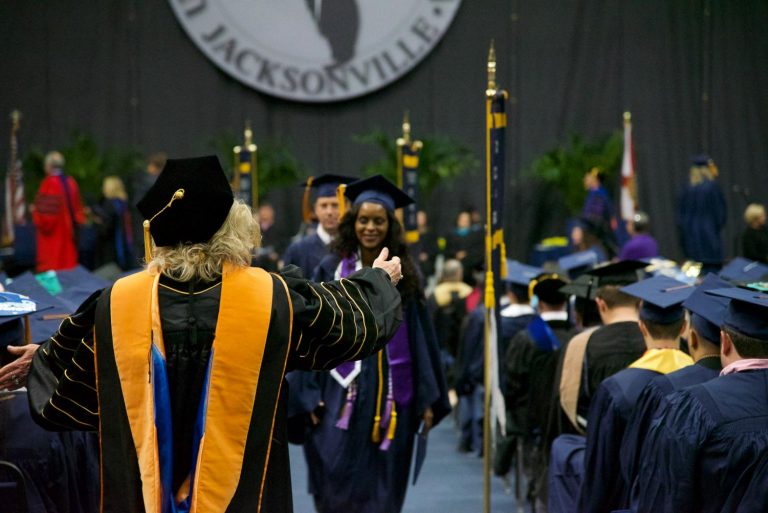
<point>311,327</point>
<point>708,449</point>
<point>347,470</point>
<point>306,254</point>
<point>610,349</point>
<point>652,399</point>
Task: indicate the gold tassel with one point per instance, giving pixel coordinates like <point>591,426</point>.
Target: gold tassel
<point>147,243</point>
<point>392,423</point>
<point>503,258</point>
<point>305,207</point>
<point>340,190</point>
<point>179,194</point>
<point>376,435</point>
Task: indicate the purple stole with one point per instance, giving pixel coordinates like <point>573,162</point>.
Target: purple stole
<point>399,378</point>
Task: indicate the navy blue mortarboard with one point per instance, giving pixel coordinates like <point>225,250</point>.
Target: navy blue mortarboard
<point>325,185</point>
<point>662,298</point>
<point>747,312</point>
<point>377,189</point>
<point>740,270</point>
<point>707,311</point>
<point>50,311</point>
<point>700,159</point>
<point>521,274</point>
<point>78,284</point>
<point>188,202</point>
<point>577,263</point>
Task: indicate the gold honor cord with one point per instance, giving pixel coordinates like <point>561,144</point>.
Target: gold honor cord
<point>306,209</point>
<point>179,194</point>
<point>340,191</point>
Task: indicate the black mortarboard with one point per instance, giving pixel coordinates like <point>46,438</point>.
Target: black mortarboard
<point>188,202</point>
<point>662,298</point>
<point>707,311</point>
<point>619,273</point>
<point>585,286</point>
<point>747,311</point>
<point>547,287</point>
<point>577,263</point>
<point>740,271</point>
<point>377,189</point>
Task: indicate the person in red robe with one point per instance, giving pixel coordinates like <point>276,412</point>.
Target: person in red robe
<point>56,213</point>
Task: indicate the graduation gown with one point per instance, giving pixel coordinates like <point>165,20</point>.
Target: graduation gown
<point>306,254</point>
<point>57,213</point>
<point>707,450</point>
<point>701,217</point>
<point>263,324</point>
<point>603,489</point>
<point>652,399</point>
<point>348,472</point>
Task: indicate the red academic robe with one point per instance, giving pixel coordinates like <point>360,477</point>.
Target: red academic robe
<point>56,248</point>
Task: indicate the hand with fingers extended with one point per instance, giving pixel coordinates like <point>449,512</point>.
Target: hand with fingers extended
<point>14,375</point>
<point>391,267</point>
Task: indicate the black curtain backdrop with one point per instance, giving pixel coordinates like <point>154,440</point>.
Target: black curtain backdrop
<point>692,72</point>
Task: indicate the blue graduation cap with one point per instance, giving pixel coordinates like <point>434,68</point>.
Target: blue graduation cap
<point>45,320</point>
<point>521,274</point>
<point>325,185</point>
<point>707,311</point>
<point>747,311</point>
<point>700,159</point>
<point>662,298</point>
<point>577,263</point>
<point>377,189</point>
<point>78,284</point>
<point>740,270</point>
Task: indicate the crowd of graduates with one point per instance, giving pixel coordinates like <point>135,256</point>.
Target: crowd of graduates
<point>629,383</point>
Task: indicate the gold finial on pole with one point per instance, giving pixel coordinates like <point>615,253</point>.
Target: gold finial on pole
<point>627,117</point>
<point>15,117</point>
<point>491,71</point>
<point>248,133</point>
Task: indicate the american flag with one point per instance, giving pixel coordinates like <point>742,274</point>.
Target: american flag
<point>15,204</point>
<point>628,186</point>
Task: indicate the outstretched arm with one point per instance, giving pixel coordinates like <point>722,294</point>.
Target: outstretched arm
<point>344,320</point>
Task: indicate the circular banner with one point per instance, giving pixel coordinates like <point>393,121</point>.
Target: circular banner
<point>316,50</point>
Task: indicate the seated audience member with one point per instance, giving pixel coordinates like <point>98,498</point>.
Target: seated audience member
<point>754,239</point>
<point>707,451</point>
<point>662,322</point>
<point>706,315</point>
<point>642,244</point>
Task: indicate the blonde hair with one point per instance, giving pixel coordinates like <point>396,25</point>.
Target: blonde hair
<point>54,159</point>
<point>233,243</point>
<point>754,212</point>
<point>113,187</point>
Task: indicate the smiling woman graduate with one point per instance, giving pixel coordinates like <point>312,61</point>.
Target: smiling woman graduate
<point>183,379</point>
<point>359,454</point>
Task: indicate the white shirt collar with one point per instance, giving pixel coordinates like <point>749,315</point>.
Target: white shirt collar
<point>515,310</point>
<point>554,316</point>
<point>324,235</point>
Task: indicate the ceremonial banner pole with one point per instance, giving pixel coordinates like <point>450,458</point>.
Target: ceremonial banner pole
<point>15,205</point>
<point>408,179</point>
<point>628,184</point>
<point>245,182</point>
<point>495,265</point>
